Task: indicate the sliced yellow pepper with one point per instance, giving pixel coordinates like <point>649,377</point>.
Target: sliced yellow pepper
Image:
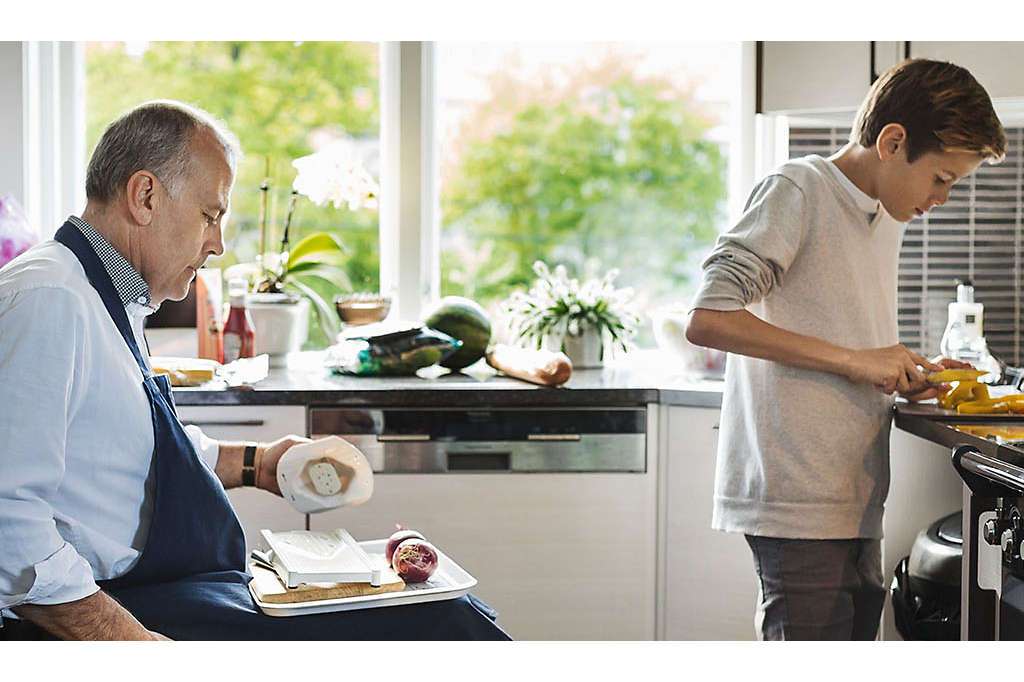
<point>983,407</point>
<point>965,391</point>
<point>948,375</point>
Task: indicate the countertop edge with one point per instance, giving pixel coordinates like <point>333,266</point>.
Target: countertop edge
<point>456,397</point>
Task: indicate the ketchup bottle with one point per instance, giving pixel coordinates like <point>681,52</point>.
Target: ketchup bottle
<point>238,330</point>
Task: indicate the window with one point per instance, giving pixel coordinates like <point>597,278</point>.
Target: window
<point>593,155</point>
<point>283,100</point>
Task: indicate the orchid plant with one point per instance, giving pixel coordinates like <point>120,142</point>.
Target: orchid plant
<point>333,174</point>
<point>556,306</point>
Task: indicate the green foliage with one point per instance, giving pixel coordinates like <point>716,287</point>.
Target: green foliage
<point>276,97</point>
<point>621,173</point>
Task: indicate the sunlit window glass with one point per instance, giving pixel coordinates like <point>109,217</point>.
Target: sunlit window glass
<point>591,155</point>
<point>283,100</point>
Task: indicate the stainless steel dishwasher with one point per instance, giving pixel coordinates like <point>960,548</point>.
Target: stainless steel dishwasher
<point>552,510</point>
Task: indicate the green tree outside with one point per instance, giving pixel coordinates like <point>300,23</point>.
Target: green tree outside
<point>609,170</point>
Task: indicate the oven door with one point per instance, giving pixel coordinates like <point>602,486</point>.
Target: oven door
<point>992,587</point>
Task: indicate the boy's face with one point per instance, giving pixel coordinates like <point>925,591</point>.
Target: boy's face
<point>908,190</point>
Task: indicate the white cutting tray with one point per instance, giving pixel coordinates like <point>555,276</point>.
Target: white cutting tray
<point>449,581</point>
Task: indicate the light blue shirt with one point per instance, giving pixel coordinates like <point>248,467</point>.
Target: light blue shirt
<point>75,504</point>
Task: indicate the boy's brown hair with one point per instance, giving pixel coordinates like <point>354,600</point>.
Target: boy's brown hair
<point>941,106</point>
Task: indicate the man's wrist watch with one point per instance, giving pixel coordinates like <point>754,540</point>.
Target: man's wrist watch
<point>249,465</point>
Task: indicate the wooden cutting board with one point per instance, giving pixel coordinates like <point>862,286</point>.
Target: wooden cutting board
<point>270,590</point>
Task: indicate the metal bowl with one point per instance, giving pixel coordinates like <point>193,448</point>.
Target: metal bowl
<point>358,309</point>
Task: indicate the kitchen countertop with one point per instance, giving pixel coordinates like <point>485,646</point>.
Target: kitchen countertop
<point>640,378</point>
<point>931,422</point>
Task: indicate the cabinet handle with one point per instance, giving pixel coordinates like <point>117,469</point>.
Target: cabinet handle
<point>384,437</point>
<point>553,436</point>
<point>218,422</point>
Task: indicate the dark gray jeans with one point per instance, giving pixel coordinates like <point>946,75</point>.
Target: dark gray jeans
<point>818,589</point>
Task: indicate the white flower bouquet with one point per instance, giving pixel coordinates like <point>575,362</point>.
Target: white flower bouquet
<point>557,306</point>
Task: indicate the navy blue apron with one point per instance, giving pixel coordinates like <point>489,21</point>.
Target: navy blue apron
<point>190,581</point>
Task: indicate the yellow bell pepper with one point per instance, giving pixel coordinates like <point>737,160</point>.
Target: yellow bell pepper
<point>983,407</point>
<point>949,375</point>
<point>965,391</point>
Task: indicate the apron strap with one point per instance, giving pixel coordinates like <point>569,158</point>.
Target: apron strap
<point>71,237</point>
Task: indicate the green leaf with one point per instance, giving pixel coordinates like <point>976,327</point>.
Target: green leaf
<point>333,274</point>
<point>324,313</point>
<point>314,247</point>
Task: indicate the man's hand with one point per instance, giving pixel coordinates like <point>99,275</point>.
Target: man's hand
<point>267,457</point>
<point>935,390</point>
<point>893,368</point>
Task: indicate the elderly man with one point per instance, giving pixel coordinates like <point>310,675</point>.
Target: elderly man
<point>113,519</point>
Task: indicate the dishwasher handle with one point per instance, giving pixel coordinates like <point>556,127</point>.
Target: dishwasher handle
<point>987,476</point>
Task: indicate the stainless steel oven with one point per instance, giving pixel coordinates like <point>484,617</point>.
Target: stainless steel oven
<point>518,440</point>
<point>992,585</point>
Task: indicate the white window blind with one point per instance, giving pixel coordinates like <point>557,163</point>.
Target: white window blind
<point>975,235</point>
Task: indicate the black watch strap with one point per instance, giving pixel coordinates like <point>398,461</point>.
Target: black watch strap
<point>249,465</point>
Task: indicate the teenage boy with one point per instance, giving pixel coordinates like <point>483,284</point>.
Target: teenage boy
<point>802,294</point>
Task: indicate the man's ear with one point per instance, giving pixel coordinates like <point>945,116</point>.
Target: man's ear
<point>891,142</point>
<point>140,193</point>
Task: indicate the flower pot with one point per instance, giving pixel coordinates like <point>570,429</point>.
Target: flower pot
<point>281,325</point>
<point>584,349</point>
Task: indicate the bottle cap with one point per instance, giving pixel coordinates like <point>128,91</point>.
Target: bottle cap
<point>237,289</point>
<point>964,291</point>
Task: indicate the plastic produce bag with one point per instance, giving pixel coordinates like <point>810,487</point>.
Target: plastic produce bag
<point>16,236</point>
<point>398,353</point>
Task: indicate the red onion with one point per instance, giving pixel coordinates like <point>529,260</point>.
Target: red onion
<point>415,560</point>
<point>397,537</point>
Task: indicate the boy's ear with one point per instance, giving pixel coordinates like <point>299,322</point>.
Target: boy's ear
<point>891,141</point>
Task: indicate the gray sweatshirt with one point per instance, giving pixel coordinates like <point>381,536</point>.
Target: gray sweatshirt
<point>805,454</point>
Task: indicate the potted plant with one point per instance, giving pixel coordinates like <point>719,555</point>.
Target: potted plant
<point>281,280</point>
<point>580,320</point>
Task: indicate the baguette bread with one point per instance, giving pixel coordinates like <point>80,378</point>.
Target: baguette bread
<point>541,367</point>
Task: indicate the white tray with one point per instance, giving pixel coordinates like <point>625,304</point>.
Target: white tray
<point>448,582</point>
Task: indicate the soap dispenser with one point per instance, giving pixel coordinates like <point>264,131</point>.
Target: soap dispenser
<point>963,339</point>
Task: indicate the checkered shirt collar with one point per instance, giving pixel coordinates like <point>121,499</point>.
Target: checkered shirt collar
<point>127,281</point>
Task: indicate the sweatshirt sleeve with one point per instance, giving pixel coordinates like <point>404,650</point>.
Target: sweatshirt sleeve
<point>40,330</point>
<point>752,258</point>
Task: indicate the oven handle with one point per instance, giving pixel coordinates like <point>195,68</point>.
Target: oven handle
<point>967,459</point>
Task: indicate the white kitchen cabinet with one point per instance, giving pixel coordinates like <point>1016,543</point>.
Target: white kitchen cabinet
<point>820,75</point>
<point>256,509</point>
<point>992,63</point>
<point>560,556</point>
<point>708,588</point>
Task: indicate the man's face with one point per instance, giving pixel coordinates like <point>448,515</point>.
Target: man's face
<point>908,190</point>
<point>187,227</point>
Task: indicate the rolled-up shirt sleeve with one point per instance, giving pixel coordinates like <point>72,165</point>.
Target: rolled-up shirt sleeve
<point>751,259</point>
<point>208,448</point>
<point>40,330</point>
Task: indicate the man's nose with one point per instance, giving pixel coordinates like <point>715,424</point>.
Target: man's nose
<point>215,245</point>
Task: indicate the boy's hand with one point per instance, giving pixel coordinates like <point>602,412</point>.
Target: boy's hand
<point>893,368</point>
<point>935,390</point>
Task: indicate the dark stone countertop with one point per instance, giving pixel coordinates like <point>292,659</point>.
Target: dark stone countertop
<point>640,378</point>
<point>931,422</point>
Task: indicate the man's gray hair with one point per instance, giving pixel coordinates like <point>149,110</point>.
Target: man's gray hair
<point>154,136</point>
